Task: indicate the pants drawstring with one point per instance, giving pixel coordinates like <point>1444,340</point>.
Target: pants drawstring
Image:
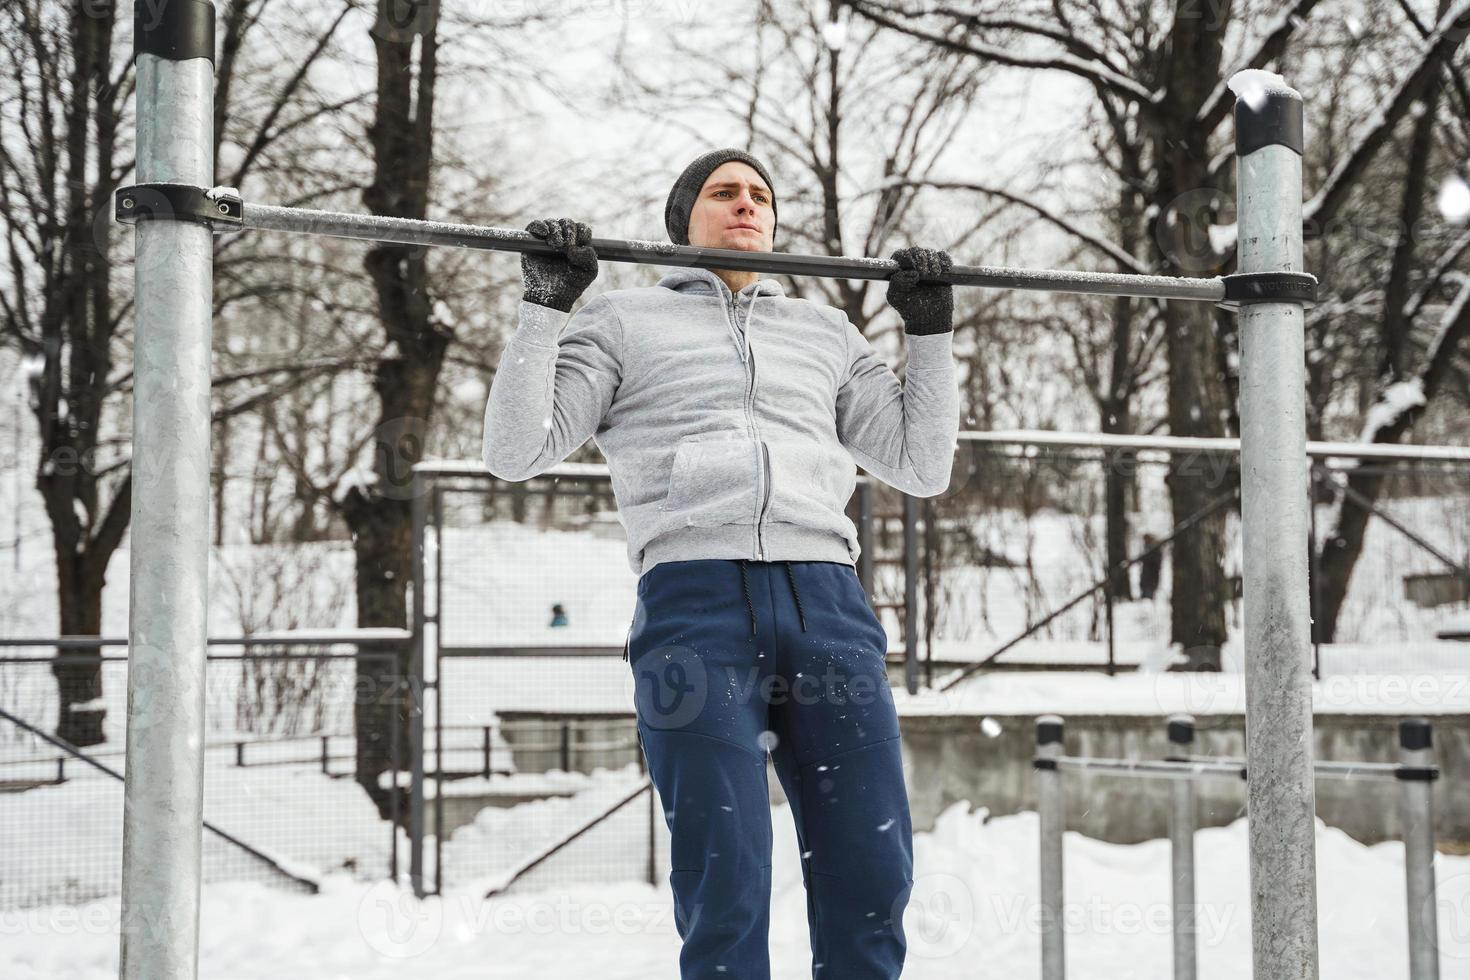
<point>790,577</point>
<point>745,584</point>
<point>800,614</point>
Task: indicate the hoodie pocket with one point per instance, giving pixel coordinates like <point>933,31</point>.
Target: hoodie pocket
<point>811,483</point>
<point>713,482</point>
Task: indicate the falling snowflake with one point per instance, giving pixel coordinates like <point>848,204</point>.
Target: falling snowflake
<point>1454,199</point>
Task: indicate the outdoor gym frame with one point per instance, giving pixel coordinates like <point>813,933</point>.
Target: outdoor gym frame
<point>177,211</point>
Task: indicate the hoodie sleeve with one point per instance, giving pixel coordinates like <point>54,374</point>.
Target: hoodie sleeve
<point>903,433</point>
<point>555,383</point>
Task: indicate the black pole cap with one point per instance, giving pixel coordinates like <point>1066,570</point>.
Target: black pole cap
<point>176,30</point>
<point>1049,729</point>
<point>1181,729</point>
<point>1415,734</point>
<point>1268,112</point>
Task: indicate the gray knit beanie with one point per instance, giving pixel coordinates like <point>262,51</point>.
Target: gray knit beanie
<point>686,190</point>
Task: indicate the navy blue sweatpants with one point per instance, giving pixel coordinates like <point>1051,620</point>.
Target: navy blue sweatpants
<point>732,660</point>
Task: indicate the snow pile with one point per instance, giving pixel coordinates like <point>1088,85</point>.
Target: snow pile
<point>975,901</point>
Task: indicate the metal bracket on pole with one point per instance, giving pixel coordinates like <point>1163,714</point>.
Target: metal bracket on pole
<point>220,209</point>
<point>1245,288</point>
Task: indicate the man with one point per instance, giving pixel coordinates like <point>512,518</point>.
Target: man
<point>731,416</point>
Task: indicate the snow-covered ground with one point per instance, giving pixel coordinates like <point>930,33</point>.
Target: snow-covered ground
<point>974,913</point>
<point>500,580</point>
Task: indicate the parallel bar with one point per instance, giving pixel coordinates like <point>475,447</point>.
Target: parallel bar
<point>1281,794</point>
<point>163,794</point>
<point>1190,768</point>
<point>1151,769</point>
<point>409,231</point>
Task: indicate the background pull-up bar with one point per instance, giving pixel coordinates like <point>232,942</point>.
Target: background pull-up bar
<point>224,210</point>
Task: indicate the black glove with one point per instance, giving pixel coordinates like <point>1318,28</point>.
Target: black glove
<point>927,307</point>
<point>557,280</point>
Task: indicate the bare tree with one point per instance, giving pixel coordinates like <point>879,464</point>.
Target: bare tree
<point>64,150</point>
<point>1422,318</point>
<point>1170,76</point>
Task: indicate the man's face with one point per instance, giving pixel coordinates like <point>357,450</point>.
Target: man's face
<point>733,210</point>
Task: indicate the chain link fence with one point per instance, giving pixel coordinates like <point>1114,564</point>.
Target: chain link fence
<point>282,804</point>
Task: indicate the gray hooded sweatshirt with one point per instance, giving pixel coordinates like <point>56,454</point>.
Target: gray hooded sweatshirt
<point>730,422</point>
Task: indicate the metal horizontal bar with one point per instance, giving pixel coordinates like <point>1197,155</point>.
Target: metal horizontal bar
<point>1151,769</point>
<point>409,231</point>
<point>1022,438</point>
<point>470,652</point>
<point>1327,770</point>
<point>368,637</point>
<point>1190,768</point>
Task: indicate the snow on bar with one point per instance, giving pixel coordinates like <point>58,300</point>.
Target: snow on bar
<point>408,231</point>
<point>1318,450</point>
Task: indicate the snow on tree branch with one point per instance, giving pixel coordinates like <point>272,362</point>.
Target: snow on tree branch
<point>1438,48</point>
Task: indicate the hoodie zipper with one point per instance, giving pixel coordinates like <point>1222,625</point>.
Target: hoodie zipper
<point>765,479</point>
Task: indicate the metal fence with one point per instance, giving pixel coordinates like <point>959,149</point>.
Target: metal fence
<point>535,778</point>
<point>1016,555</point>
<point>1414,774</point>
<point>282,801</point>
<point>527,598</point>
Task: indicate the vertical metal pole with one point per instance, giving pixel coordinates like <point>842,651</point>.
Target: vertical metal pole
<point>1281,795</point>
<point>1416,813</point>
<point>865,537</point>
<point>1051,811</point>
<point>1313,566</point>
<point>169,561</point>
<point>437,494</point>
<point>395,763</point>
<point>417,694</point>
<point>652,811</point>
<point>1182,820</point>
<point>911,593</point>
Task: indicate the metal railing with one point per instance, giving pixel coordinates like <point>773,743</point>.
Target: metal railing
<point>281,756</point>
<point>1415,774</point>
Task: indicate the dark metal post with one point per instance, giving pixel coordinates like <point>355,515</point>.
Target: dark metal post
<point>1313,566</point>
<point>910,593</point>
<point>416,694</point>
<point>395,763</point>
<point>437,493</point>
<point>865,537</point>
